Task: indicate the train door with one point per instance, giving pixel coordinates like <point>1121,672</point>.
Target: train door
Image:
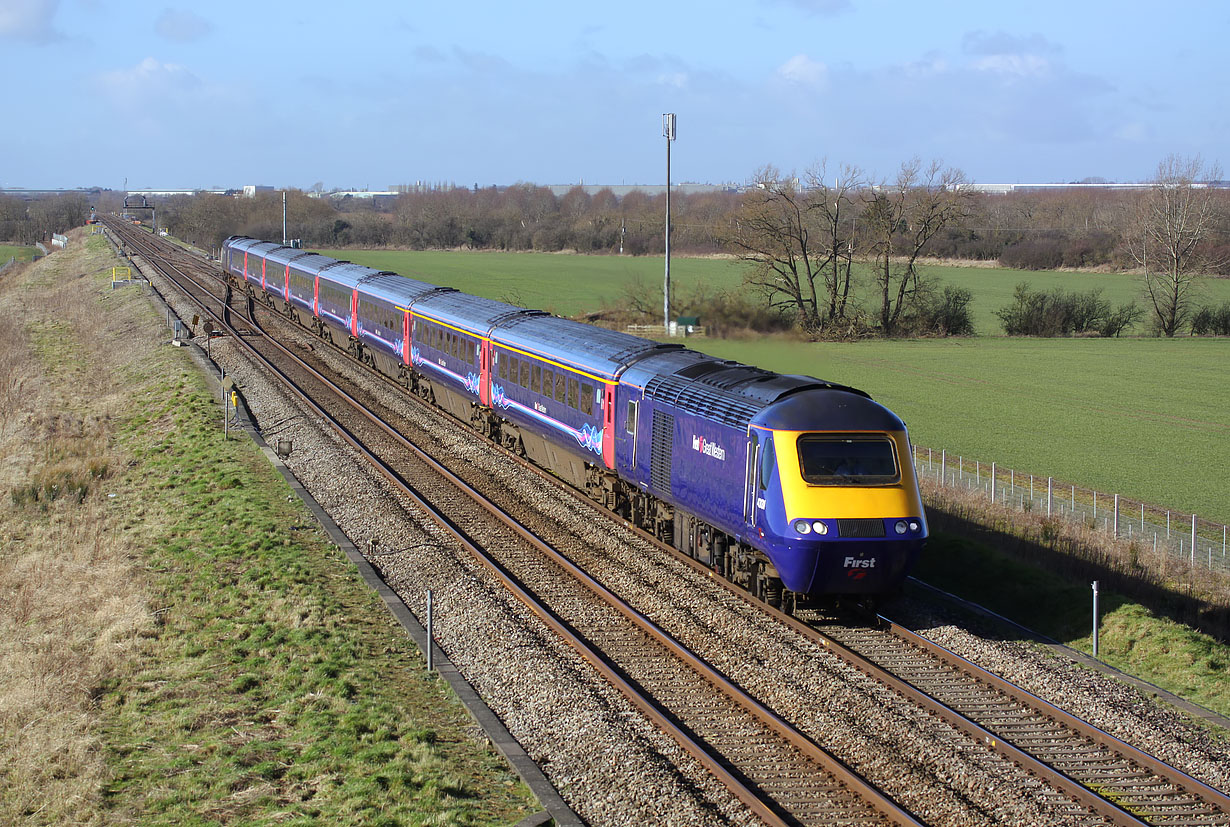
<point>406,343</point>
<point>608,425</point>
<point>484,372</point>
<point>749,488</point>
<point>760,463</point>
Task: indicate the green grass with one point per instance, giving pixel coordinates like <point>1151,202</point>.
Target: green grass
<point>564,284</point>
<point>1131,637</point>
<point>276,687</point>
<point>8,251</point>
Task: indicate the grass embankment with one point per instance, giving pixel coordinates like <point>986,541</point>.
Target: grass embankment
<point>178,642</point>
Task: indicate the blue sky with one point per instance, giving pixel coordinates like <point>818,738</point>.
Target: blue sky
<point>370,93</point>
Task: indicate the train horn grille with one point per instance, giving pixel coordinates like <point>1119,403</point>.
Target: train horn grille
<point>860,528</point>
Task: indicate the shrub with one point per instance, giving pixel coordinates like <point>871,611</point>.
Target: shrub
<point>943,314</point>
<point>1211,321</point>
<point>1060,313</point>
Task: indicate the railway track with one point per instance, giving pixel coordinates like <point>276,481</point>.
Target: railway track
<point>1118,784</point>
<point>768,764</point>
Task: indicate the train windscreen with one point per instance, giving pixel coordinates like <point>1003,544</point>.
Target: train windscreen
<point>847,459</point>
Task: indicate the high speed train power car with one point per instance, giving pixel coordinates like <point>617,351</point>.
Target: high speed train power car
<point>798,489</point>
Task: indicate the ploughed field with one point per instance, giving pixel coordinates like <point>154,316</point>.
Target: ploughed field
<point>1142,417</point>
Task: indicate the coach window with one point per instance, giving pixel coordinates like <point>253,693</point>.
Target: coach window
<point>587,399</point>
<point>503,363</point>
<point>561,388</point>
<point>525,374</point>
<point>536,379</point>
<point>513,371</point>
<point>548,383</point>
<point>573,402</point>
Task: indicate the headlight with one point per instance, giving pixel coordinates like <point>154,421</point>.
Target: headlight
<point>915,526</point>
<point>901,527</point>
<point>802,526</point>
<point>819,527</point>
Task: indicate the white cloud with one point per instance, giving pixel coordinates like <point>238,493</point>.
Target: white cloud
<point>676,80</point>
<point>1022,65</point>
<point>803,70</point>
<point>181,25</point>
<point>29,20</point>
<point>148,81</point>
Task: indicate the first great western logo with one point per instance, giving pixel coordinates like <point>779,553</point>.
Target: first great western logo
<point>708,448</point>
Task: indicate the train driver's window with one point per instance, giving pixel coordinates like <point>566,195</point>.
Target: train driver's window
<point>630,422</point>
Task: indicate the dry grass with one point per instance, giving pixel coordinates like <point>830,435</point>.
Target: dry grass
<point>1192,595</point>
<point>73,605</point>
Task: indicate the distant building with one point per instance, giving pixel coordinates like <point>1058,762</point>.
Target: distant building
<point>250,190</point>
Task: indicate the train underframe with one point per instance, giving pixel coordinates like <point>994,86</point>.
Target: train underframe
<point>737,562</point>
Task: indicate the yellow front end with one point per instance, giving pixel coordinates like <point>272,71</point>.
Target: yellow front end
<point>803,500</point>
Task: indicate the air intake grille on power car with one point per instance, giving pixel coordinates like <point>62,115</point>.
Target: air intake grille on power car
<point>663,447</point>
<point>860,528</point>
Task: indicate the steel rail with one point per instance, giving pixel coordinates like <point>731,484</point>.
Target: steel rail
<point>756,802</point>
<point>1104,806</point>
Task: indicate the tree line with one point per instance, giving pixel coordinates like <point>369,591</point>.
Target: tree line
<point>834,249</point>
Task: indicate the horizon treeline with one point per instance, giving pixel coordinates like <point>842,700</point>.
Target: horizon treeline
<point>1028,230</point>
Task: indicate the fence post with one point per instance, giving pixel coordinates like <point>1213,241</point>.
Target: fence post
<point>943,466</point>
<point>1049,496</point>
<point>1193,540</point>
<point>1116,534</point>
<point>1095,618</point>
<point>992,483</point>
<point>430,633</point>
<point>1095,506</point>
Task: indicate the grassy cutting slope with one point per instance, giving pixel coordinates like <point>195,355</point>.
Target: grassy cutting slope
<point>179,644</point>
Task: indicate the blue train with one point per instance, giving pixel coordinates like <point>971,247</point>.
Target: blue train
<point>798,489</point>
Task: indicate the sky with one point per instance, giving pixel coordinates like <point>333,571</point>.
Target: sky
<point>367,94</point>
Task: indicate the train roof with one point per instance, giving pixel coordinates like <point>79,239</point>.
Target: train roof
<point>473,313</point>
<point>240,242</point>
<point>726,391</point>
<point>346,274</point>
<point>838,408</point>
<point>399,290</point>
<point>285,255</point>
<point>595,349</point>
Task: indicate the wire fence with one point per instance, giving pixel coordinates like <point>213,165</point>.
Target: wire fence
<point>1186,536</point>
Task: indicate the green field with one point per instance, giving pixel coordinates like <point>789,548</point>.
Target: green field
<point>572,284</point>
<point>8,251</point>
<point>1142,417</point>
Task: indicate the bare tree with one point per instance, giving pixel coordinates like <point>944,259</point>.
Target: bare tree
<point>834,209</point>
<point>1172,222</point>
<point>799,242</point>
<point>901,217</point>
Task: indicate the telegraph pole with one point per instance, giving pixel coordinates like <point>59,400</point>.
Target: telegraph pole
<point>668,132</point>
